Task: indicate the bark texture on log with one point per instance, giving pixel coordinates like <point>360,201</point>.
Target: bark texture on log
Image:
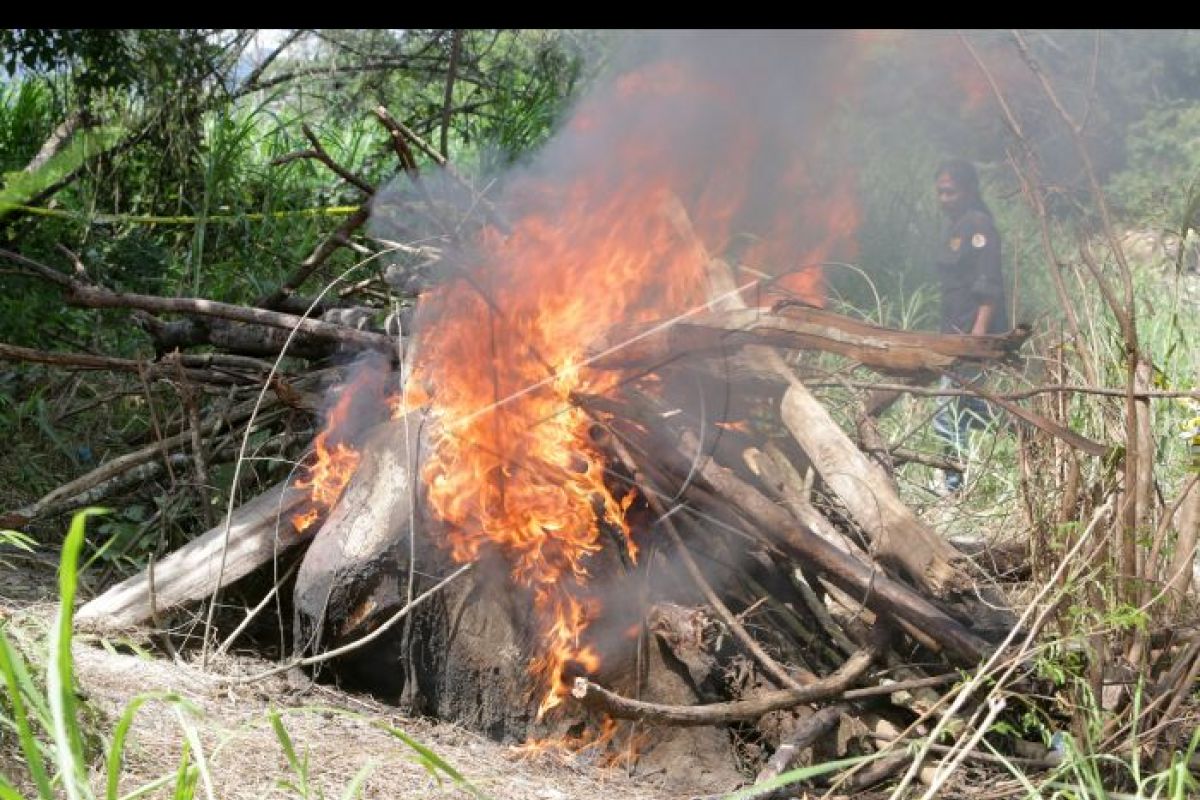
<point>899,538</point>
<point>888,350</point>
<point>877,591</point>
<point>233,337</point>
<point>354,572</point>
<point>261,530</point>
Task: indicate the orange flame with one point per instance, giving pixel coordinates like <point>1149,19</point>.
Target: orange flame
<point>510,466</point>
<point>332,469</point>
<point>600,744</point>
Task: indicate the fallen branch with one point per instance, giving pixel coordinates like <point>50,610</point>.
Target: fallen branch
<point>88,361</point>
<point>88,296</point>
<point>877,591</point>
<point>260,531</point>
<point>808,731</point>
<point>116,467</point>
<point>233,337</point>
<point>885,349</point>
<point>898,537</point>
<point>597,698</point>
<point>773,669</point>
<point>318,257</point>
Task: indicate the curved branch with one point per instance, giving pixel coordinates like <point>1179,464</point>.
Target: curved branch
<point>596,697</point>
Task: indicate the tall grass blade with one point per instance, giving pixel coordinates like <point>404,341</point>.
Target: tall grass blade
<point>8,791</point>
<point>434,763</point>
<point>193,738</point>
<point>29,745</point>
<point>152,786</point>
<point>800,774</point>
<point>185,777</point>
<point>354,788</point>
<point>60,678</point>
<point>300,769</point>
<point>116,749</point>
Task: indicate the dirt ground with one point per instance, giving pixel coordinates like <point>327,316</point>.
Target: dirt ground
<point>339,733</point>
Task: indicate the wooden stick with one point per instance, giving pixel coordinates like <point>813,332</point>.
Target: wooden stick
<point>95,297</point>
<point>89,296</point>
<point>807,732</point>
<point>597,698</point>
<point>879,592</point>
<point>885,349</point>
<point>327,247</point>
<point>11,352</point>
<point>899,538</point>
<point>773,669</point>
<point>118,466</point>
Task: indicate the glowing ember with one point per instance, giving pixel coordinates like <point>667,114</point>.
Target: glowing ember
<point>601,745</point>
<point>302,521</point>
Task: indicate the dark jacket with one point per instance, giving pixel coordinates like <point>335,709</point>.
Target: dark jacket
<point>968,264</point>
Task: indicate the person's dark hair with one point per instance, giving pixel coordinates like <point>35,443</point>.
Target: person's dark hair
<point>965,177</point>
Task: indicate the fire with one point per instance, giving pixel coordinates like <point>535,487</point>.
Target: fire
<point>600,745</point>
<point>304,520</point>
<point>510,467</point>
<point>511,464</point>
<point>334,465</point>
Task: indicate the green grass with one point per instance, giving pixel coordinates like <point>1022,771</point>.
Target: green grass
<point>61,742</point>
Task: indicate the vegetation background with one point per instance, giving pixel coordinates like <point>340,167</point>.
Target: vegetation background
<point>162,160</point>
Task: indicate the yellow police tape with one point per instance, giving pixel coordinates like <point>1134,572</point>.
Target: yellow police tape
<point>151,219</point>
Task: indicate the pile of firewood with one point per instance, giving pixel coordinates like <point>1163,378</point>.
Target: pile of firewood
<point>784,590</point>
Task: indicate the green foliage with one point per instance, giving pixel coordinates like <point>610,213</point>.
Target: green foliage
<point>111,58</point>
<point>55,733</point>
<point>20,187</point>
<point>21,541</point>
<point>21,690</point>
<point>27,115</point>
<point>1162,167</point>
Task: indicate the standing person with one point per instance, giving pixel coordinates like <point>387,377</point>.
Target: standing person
<point>973,302</point>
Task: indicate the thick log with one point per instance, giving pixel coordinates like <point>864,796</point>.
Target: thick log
<point>879,592</point>
<point>462,657</point>
<point>899,538</point>
<point>355,571</point>
<point>233,337</point>
<point>923,556</point>
<point>887,350</point>
<point>718,490</point>
<point>772,467</point>
<point>261,529</point>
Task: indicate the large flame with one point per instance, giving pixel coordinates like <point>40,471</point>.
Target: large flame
<point>510,465</point>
